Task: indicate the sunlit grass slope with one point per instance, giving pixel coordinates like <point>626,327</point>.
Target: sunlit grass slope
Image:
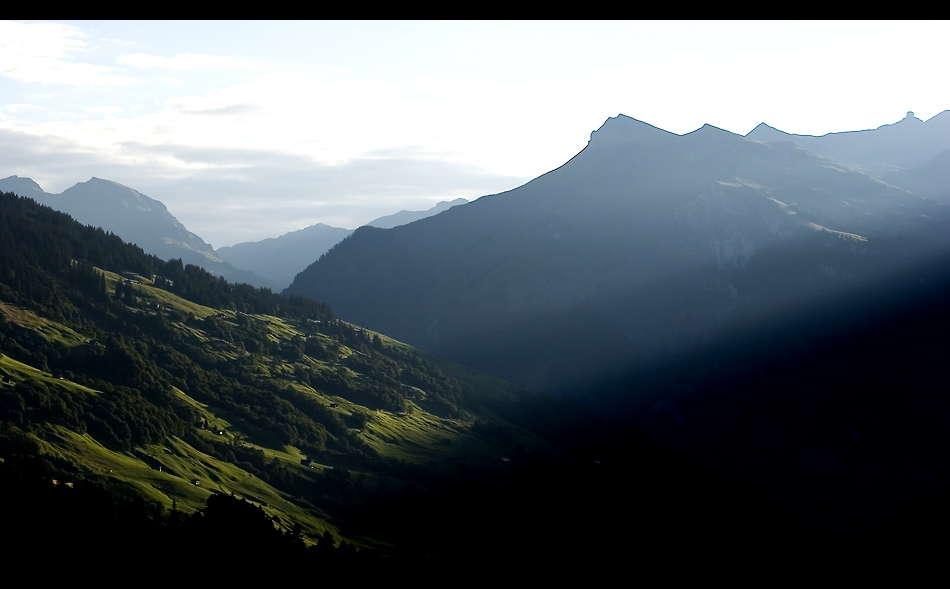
<point>175,473</point>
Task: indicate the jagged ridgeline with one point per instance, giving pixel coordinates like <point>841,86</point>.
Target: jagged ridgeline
<point>121,369</point>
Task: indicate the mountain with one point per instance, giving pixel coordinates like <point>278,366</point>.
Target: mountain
<point>643,245</point>
<point>931,179</point>
<point>280,259</point>
<point>768,311</point>
<point>23,187</point>
<point>147,404</point>
<point>906,144</point>
<point>134,217</point>
<point>405,217</point>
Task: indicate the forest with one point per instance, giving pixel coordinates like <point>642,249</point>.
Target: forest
<point>91,346</point>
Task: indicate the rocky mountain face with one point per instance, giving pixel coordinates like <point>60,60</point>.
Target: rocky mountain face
<point>644,245</point>
<point>135,218</point>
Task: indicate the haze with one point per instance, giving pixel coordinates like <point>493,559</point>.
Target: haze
<point>249,130</point>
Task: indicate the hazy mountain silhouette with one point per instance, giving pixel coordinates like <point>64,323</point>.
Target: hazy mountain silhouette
<point>404,217</point>
<point>906,144</point>
<point>23,187</point>
<point>135,218</point>
<point>643,246</point>
<point>280,259</point>
<point>931,179</point>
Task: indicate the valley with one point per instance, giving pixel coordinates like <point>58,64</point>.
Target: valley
<point>664,338</point>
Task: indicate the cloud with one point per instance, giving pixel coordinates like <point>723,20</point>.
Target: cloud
<point>231,195</point>
<point>184,61</point>
<point>22,107</point>
<point>105,109</point>
<point>232,109</point>
<point>404,152</point>
<point>43,52</point>
<point>47,40</point>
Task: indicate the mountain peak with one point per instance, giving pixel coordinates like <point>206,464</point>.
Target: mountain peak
<point>107,193</point>
<point>102,183</point>
<point>909,118</point>
<point>624,129</point>
<point>708,129</point>
<point>763,126</point>
<point>22,186</point>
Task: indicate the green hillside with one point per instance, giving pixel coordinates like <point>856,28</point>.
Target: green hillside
<point>120,368</point>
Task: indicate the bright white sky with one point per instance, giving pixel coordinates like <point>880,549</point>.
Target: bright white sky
<point>248,130</point>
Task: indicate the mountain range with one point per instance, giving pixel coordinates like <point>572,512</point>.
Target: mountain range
<point>405,217</point>
<point>280,259</point>
<point>135,218</point>
<point>907,144</point>
<point>271,263</point>
<point>638,220</point>
<point>758,306</point>
<point>643,246</point>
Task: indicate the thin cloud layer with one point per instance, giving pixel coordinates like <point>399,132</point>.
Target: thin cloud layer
<point>184,61</point>
<point>45,53</point>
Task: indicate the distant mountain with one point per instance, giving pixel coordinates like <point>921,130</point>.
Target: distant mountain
<point>405,217</point>
<point>644,245</point>
<point>906,144</point>
<point>23,187</point>
<point>280,259</point>
<point>931,179</point>
<point>135,218</point>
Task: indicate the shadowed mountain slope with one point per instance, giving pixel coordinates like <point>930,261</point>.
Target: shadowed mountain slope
<point>280,259</point>
<point>646,244</point>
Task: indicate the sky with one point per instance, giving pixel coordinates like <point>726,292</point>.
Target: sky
<point>248,130</point>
